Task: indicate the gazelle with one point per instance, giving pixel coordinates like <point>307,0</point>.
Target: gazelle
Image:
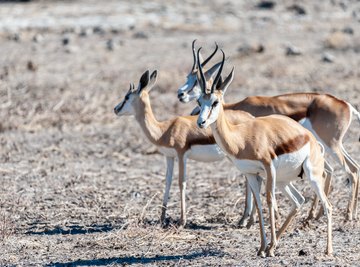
<point>177,138</point>
<point>326,116</point>
<point>275,148</point>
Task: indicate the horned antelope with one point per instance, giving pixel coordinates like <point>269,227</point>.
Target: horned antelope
<point>326,116</point>
<point>178,138</point>
<point>275,148</point>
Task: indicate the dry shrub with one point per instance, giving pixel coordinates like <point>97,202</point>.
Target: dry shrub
<point>338,41</point>
<point>6,229</point>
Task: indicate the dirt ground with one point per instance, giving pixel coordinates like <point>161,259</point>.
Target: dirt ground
<point>82,187</point>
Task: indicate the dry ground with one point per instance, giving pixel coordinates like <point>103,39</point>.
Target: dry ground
<point>82,187</point>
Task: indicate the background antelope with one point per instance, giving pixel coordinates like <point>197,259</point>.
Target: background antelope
<point>326,116</point>
<point>275,148</point>
<point>177,138</point>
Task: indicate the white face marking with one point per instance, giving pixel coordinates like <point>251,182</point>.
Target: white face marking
<point>209,112</point>
<point>288,166</point>
<point>190,90</point>
<point>125,107</point>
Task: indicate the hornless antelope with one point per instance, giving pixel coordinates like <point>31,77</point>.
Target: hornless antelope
<point>177,138</point>
<point>326,116</point>
<point>273,147</point>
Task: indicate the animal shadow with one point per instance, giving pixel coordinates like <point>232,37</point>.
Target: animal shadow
<point>139,260</point>
<point>71,230</point>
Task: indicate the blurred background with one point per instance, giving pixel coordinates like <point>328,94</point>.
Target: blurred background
<point>75,177</point>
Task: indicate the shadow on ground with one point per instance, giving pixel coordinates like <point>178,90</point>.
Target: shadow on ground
<point>73,230</point>
<point>137,260</point>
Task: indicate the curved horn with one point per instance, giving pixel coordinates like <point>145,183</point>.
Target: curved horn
<point>218,75</point>
<point>210,57</point>
<point>203,81</point>
<point>194,55</point>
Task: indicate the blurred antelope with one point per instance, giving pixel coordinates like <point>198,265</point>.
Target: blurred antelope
<point>177,138</point>
<point>274,147</point>
<point>326,116</point>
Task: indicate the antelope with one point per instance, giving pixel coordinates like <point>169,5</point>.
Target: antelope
<point>275,148</point>
<point>178,138</point>
<point>326,116</point>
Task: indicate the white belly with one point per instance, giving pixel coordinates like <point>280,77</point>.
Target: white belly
<point>249,166</point>
<point>205,153</point>
<point>288,166</point>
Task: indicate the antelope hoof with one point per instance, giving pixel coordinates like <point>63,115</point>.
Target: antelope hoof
<point>182,223</point>
<point>261,253</point>
<point>329,252</point>
<point>242,221</point>
<point>270,252</point>
<point>162,217</point>
<point>250,222</point>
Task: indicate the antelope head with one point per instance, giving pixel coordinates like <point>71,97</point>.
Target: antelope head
<point>191,89</point>
<point>128,105</point>
<point>212,94</point>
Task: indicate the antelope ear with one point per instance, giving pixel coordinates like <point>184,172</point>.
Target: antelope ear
<point>153,78</point>
<point>195,111</point>
<point>144,81</point>
<point>218,85</point>
<point>227,82</point>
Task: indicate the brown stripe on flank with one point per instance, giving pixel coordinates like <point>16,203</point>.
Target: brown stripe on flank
<point>292,145</point>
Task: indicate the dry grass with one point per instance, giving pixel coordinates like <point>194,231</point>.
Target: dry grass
<point>80,186</point>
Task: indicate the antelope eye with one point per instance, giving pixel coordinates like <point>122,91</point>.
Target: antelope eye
<point>127,97</point>
<point>215,103</point>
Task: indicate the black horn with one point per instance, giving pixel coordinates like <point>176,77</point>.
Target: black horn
<point>211,56</point>
<point>194,55</point>
<point>218,75</point>
<point>203,81</point>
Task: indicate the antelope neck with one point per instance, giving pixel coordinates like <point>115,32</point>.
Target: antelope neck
<point>149,124</point>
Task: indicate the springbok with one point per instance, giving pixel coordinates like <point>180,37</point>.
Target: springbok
<point>177,138</point>
<point>274,147</point>
<point>326,116</point>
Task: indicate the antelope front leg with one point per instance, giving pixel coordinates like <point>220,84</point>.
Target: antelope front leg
<point>169,176</point>
<point>255,189</point>
<point>182,185</point>
<point>270,198</point>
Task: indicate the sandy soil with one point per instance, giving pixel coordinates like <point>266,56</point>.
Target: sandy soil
<point>82,187</point>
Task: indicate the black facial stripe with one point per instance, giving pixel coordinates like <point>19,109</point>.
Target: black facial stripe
<point>122,105</point>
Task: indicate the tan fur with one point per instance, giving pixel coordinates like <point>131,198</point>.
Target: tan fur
<point>262,139</point>
<point>179,133</point>
<point>330,117</point>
